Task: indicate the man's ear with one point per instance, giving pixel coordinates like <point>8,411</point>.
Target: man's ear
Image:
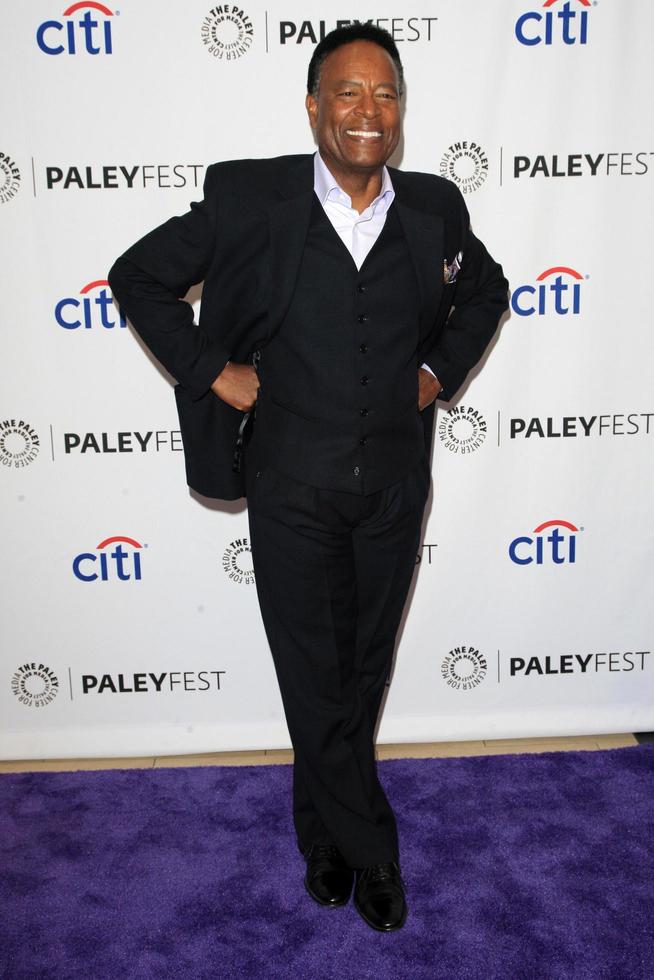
<point>311,104</point>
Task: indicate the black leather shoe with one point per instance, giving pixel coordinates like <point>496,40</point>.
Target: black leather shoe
<point>328,879</point>
<point>379,896</point>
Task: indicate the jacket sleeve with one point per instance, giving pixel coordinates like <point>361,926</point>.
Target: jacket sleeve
<point>479,300</point>
<point>150,279</point>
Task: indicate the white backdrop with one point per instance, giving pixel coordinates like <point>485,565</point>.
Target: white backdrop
<point>531,612</point>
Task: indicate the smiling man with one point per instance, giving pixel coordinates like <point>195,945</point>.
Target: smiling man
<point>341,298</point>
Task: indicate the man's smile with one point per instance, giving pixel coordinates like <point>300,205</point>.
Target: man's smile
<point>364,134</point>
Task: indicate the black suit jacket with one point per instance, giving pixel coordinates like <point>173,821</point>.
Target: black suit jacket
<point>245,241</point>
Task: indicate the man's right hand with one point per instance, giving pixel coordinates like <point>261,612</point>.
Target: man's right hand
<point>238,385</point>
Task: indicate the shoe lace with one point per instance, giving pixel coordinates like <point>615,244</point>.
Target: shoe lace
<point>381,872</point>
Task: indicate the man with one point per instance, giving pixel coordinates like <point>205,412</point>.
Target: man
<point>335,276</point>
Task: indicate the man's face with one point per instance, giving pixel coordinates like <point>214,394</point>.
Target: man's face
<point>356,113</point>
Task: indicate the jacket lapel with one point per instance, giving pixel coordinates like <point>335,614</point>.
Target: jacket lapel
<point>425,234</point>
<point>289,223</point>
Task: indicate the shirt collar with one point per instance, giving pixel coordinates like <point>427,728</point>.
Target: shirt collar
<point>327,188</point>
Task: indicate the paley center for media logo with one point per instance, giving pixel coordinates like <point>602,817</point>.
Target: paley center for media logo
<point>227,32</point>
<point>462,429</point>
<point>122,563</point>
<point>77,32</point>
<point>94,307</point>
<point>555,22</point>
<point>466,164</point>
<point>9,178</point>
<point>19,443</point>
<point>464,668</point>
<point>555,290</point>
<point>237,562</point>
<point>558,547</point>
<point>35,685</point>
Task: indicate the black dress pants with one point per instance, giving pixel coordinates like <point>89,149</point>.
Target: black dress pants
<point>333,570</point>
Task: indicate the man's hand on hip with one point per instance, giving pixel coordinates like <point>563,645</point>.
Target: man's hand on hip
<point>238,385</point>
<point>428,388</point>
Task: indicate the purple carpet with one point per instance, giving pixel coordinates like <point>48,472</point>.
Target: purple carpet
<point>516,866</point>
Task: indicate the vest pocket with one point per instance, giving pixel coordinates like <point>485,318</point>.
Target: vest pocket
<point>292,409</point>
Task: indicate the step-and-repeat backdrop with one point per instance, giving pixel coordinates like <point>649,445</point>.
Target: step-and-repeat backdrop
<point>130,622</point>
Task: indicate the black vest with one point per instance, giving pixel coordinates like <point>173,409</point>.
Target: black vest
<point>338,404</point>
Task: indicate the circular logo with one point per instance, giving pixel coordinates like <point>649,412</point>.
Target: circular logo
<point>466,164</point>
<point>464,668</point>
<point>227,32</point>
<point>462,430</point>
<point>19,443</point>
<point>237,562</point>
<point>9,178</point>
<point>35,685</point>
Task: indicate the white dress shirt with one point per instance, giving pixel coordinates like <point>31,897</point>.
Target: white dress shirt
<point>358,232</point>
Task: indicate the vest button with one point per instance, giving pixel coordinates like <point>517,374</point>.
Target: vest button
<point>363,348</point>
<point>361,288</point>
<point>363,441</point>
<point>356,470</point>
<point>364,380</point>
<point>363,411</point>
<point>362,318</point>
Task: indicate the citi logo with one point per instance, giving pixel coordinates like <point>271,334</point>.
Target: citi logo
<point>120,563</point>
<point>568,23</point>
<point>93,308</point>
<point>558,547</point>
<point>87,32</point>
<point>556,290</point>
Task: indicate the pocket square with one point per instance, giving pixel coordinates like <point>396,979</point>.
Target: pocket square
<point>451,271</point>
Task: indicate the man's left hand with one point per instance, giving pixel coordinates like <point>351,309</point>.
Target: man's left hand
<point>428,388</point>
